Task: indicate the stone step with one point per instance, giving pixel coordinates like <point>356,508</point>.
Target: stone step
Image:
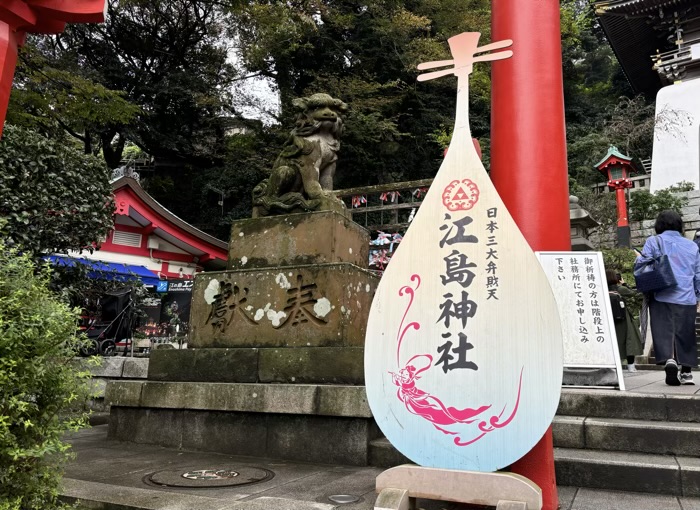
<point>636,436</point>
<point>608,434</point>
<point>660,474</point>
<point>383,454</point>
<point>626,405</point>
<point>599,469</point>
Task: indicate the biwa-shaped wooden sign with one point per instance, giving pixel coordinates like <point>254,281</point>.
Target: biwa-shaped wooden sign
<point>463,353</point>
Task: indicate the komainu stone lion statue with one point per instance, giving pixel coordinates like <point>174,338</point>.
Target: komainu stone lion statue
<point>302,176</point>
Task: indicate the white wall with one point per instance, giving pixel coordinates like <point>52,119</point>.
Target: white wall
<point>676,154</point>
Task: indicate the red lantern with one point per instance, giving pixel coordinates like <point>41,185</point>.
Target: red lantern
<point>617,169</point>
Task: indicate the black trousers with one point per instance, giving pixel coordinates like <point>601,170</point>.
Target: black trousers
<point>673,333</point>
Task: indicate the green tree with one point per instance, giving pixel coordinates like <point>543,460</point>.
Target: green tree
<point>367,56</point>
<point>169,58</point>
<point>58,101</point>
<point>40,389</point>
<point>53,198</point>
<point>646,206</point>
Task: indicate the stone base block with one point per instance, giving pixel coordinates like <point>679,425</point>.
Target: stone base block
<point>323,305</point>
<point>301,365</point>
<point>291,437</point>
<point>297,239</point>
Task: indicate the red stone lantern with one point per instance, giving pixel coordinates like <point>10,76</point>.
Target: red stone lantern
<point>617,169</point>
<point>19,17</point>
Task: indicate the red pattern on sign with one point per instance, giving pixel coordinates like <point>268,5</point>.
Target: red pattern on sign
<point>430,407</point>
<point>460,195</point>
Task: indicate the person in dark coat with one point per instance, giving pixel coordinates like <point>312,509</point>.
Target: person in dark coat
<point>629,342</point>
<point>672,311</point>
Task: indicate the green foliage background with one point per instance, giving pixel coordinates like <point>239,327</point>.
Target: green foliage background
<point>169,77</point>
<point>53,198</point>
<point>40,389</point>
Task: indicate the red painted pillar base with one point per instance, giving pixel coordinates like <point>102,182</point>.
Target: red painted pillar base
<point>8,60</point>
<point>528,156</point>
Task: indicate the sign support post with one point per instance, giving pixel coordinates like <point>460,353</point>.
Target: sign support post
<point>528,155</point>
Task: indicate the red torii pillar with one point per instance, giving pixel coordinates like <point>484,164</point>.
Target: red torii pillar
<point>19,17</point>
<point>528,155</point>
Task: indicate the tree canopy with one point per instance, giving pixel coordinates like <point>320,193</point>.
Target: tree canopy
<point>165,76</point>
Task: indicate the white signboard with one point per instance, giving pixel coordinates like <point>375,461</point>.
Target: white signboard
<point>463,351</point>
<point>581,291</point>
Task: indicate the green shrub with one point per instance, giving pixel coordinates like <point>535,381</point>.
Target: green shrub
<point>646,206</point>
<point>41,391</point>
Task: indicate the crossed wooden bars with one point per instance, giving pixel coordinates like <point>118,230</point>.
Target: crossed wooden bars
<point>19,17</point>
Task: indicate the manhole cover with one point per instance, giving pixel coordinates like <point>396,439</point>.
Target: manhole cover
<point>208,478</point>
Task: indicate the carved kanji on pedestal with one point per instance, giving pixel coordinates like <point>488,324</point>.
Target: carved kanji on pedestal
<point>19,17</point>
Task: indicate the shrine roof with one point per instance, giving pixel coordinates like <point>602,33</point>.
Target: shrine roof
<point>629,26</point>
<point>140,209</point>
<point>638,7</point>
<point>613,152</point>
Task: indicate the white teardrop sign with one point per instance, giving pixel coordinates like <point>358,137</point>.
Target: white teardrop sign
<point>463,352</point>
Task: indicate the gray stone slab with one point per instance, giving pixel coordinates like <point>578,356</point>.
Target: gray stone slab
<point>641,379</point>
<point>566,497</point>
<point>236,433</point>
<point>123,393</point>
<point>126,498</point>
<point>612,404</point>
<point>108,367</point>
<point>358,482</point>
<point>343,401</point>
<point>97,387</point>
<point>321,439</point>
<point>617,471</point>
<point>568,431</point>
<point>135,368</point>
<point>383,454</point>
<point>325,365</point>
<point>204,365</point>
<point>161,427</point>
<point>589,499</point>
<point>350,401</point>
<point>660,437</point>
<point>684,407</point>
<point>690,503</point>
<point>267,503</point>
<point>690,475</point>
<point>103,466</point>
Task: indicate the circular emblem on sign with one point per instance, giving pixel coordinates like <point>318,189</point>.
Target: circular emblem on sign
<point>210,474</point>
<point>460,195</point>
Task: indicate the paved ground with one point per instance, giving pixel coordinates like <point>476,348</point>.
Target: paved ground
<point>119,476</point>
<point>652,381</point>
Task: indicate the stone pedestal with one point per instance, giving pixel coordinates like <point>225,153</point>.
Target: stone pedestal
<point>292,309</point>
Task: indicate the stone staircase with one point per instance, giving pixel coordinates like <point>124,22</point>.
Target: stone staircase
<point>617,441</point>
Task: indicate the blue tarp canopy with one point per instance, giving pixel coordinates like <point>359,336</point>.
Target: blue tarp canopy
<point>108,270</point>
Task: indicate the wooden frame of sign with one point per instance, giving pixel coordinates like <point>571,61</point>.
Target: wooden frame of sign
<point>581,290</point>
<point>463,351</point>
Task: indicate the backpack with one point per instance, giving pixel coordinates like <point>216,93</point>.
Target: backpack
<point>617,305</point>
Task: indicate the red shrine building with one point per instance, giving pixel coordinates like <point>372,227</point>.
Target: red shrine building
<point>152,243</point>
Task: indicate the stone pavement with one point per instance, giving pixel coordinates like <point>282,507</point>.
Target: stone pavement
<point>111,475</point>
<point>652,381</point>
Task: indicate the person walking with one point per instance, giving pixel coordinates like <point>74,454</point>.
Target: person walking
<point>672,311</point>
<point>629,342</point>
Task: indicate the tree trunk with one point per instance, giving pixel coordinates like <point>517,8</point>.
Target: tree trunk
<point>112,152</point>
